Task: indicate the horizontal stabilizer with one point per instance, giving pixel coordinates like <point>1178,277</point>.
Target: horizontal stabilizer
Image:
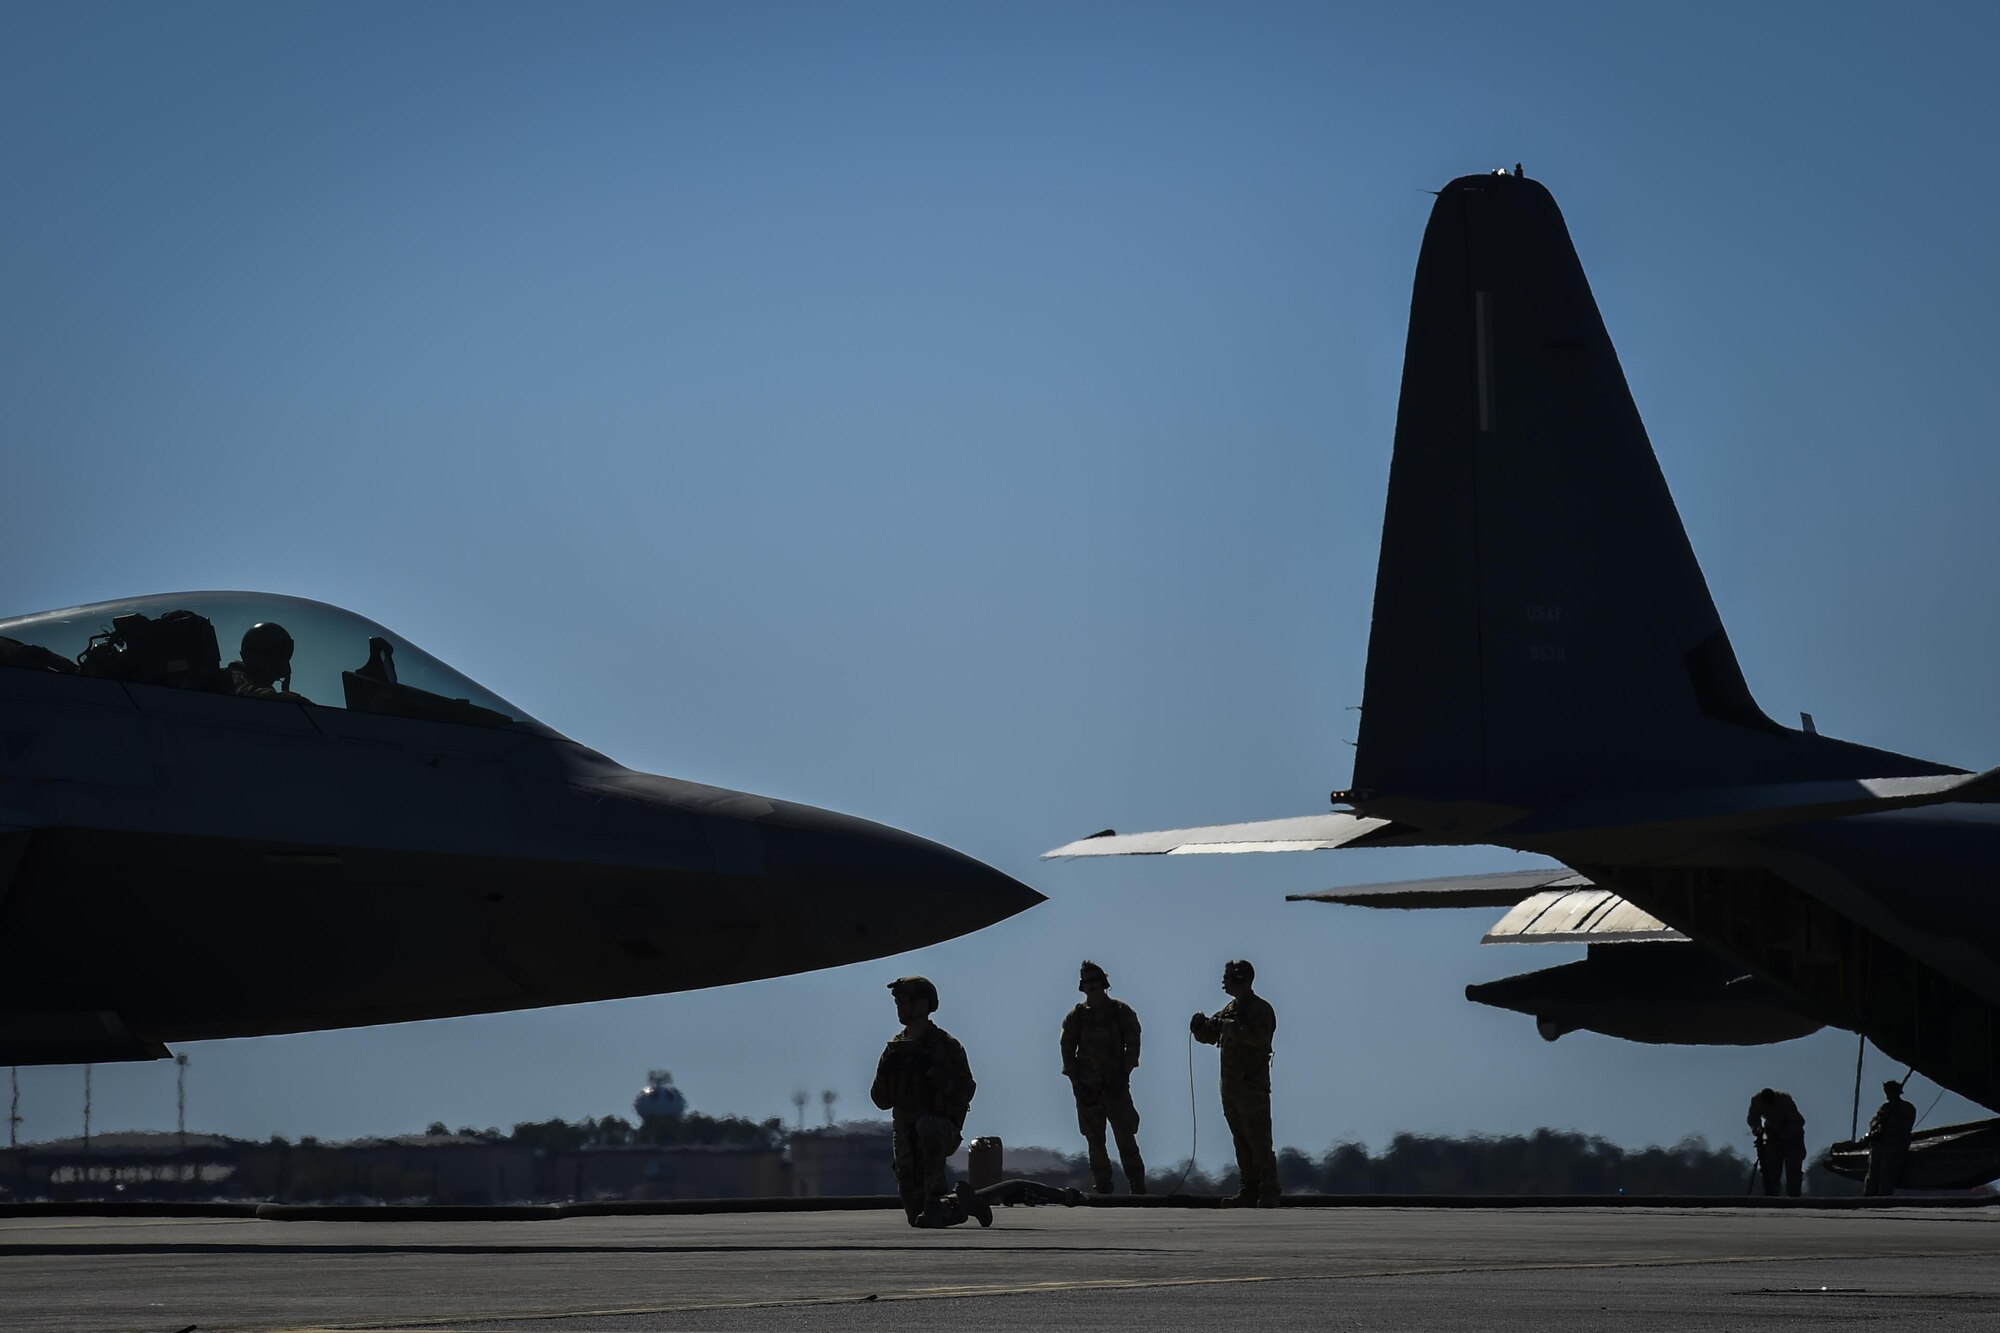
<point>1504,889</point>
<point>1579,916</point>
<point>1303,833</point>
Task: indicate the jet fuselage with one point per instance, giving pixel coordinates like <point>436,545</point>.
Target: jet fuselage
<point>178,864</point>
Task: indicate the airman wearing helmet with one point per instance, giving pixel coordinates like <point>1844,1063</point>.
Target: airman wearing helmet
<point>1888,1141</point>
<point>925,1082</point>
<point>1100,1049</point>
<point>1243,1028</point>
<point>264,669</point>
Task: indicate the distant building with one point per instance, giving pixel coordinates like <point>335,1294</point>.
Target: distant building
<point>453,1169</point>
<point>129,1164</point>
<point>443,1168</point>
<point>677,1171</point>
<point>435,1168</point>
<point>852,1157</point>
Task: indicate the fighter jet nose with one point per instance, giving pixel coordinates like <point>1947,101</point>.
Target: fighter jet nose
<point>979,895</point>
<point>837,889</point>
<point>999,892</point>
<point>914,889</point>
<point>748,886</point>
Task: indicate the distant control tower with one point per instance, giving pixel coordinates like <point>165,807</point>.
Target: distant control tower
<point>659,1099</point>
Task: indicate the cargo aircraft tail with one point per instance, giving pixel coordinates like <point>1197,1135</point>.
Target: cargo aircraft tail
<point>1545,658</point>
<point>1541,629</point>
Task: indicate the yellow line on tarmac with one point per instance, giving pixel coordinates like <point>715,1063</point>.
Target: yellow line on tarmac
<point>1098,1284</point>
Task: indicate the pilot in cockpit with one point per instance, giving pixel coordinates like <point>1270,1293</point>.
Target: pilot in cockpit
<point>264,671</point>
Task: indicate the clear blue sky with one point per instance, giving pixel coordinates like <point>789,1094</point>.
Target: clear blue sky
<point>976,417</point>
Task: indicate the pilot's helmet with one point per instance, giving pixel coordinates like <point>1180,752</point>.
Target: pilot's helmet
<point>918,988</point>
<point>267,645</point>
<point>1090,974</point>
<point>1238,969</point>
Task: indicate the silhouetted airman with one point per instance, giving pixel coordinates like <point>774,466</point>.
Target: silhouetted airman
<point>1781,1139</point>
<point>1888,1141</point>
<point>266,661</point>
<point>1243,1029</point>
<point>923,1079</point>
<point>1100,1049</point>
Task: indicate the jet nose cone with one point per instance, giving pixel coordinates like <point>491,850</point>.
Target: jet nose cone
<point>881,888</point>
<point>743,886</point>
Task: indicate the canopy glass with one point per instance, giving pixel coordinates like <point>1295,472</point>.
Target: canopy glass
<point>191,640</point>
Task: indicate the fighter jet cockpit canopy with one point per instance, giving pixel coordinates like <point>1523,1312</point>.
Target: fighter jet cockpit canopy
<point>334,658</point>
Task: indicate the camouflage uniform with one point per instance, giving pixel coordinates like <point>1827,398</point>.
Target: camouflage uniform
<point>244,685</point>
<point>1781,1140</point>
<point>1100,1049</point>
<point>1888,1144</point>
<point>923,1078</point>
<point>1243,1029</point>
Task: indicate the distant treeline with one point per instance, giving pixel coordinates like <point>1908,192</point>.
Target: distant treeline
<point>614,1131</point>
<point>1545,1162</point>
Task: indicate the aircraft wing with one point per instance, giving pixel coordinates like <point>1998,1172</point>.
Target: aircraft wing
<point>1705,810</point>
<point>1502,890</point>
<point>1553,905</point>
<point>1303,833</point>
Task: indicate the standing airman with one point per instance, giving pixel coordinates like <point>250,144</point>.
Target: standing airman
<point>1100,1049</point>
<point>1243,1029</point>
<point>1888,1141</point>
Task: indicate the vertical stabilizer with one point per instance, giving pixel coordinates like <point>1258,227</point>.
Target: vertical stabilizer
<point>1541,626</point>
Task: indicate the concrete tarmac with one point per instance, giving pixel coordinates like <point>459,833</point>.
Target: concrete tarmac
<point>1348,1268</point>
